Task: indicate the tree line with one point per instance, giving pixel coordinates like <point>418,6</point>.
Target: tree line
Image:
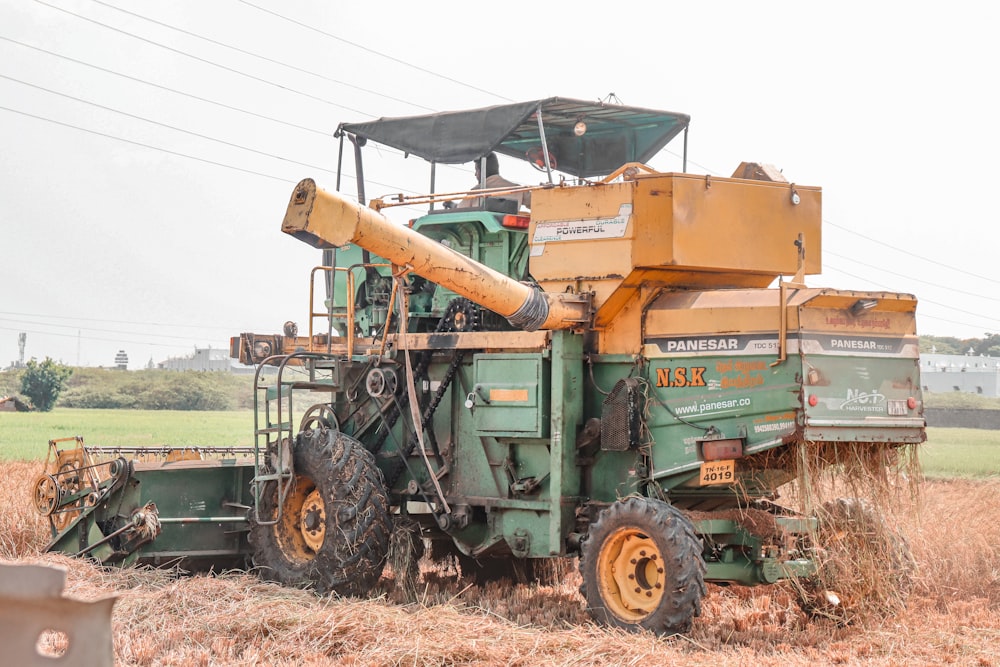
<point>988,345</point>
<point>48,384</point>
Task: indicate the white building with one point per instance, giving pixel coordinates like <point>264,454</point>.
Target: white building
<point>206,359</point>
<point>960,372</point>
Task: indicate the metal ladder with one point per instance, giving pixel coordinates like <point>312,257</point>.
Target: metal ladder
<point>274,429</point>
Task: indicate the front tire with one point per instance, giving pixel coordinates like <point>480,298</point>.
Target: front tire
<point>334,530</point>
<point>642,567</point>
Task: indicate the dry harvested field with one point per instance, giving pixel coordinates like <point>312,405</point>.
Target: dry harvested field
<point>160,618</point>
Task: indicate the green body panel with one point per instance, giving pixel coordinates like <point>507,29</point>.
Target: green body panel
<point>202,508</point>
<point>525,488</point>
<point>856,396</point>
<point>734,555</point>
<point>511,395</point>
<point>737,397</point>
<point>741,397</point>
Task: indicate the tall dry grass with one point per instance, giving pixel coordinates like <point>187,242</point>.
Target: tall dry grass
<point>956,542</point>
<point>23,533</point>
<point>162,618</point>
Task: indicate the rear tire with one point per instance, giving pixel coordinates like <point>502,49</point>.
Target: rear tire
<point>642,567</point>
<point>333,535</point>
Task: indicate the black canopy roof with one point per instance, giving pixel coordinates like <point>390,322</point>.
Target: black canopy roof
<point>614,134</point>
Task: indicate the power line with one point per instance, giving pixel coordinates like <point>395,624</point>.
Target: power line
<point>947,321</point>
<point>374,52</point>
<point>926,282</point>
<point>171,127</point>
<point>30,46</point>
<point>96,319</point>
<point>139,143</point>
<point>168,89</point>
<point>911,254</point>
<point>265,58</point>
<point>936,303</point>
<point>203,60</point>
<point>84,328</point>
<point>119,341</point>
<point>176,153</point>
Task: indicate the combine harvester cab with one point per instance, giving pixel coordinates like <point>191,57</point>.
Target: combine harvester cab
<point>627,373</point>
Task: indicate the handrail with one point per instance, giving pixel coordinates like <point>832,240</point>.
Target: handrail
<point>350,314</point>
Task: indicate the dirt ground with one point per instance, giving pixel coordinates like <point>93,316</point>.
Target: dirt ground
<point>162,618</point>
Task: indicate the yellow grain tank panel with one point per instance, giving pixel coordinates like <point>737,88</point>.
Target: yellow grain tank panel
<point>722,311</point>
<point>582,233</point>
<point>811,312</point>
<point>698,225</point>
<point>726,225</point>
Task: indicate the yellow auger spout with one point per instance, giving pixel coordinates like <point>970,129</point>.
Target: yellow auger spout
<point>327,220</point>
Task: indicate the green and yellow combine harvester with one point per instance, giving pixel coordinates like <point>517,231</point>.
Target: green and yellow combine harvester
<point>627,373</point>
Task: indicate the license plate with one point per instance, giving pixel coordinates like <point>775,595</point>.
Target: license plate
<point>717,472</point>
<point>896,407</point>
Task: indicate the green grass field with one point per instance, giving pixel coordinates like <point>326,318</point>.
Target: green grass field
<point>949,452</point>
<point>961,452</point>
<point>25,435</point>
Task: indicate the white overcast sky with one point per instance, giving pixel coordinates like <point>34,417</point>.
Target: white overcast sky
<point>148,149</point>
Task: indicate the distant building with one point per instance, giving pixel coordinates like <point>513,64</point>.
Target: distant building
<point>960,372</point>
<point>206,359</point>
<point>13,404</point>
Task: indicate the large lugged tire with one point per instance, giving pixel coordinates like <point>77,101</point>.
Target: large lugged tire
<point>642,567</point>
<point>335,525</point>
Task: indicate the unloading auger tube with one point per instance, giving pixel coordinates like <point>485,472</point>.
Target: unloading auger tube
<point>326,220</point>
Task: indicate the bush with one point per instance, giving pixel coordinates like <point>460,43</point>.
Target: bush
<point>157,390</point>
<point>43,382</point>
<point>181,391</point>
<point>97,398</point>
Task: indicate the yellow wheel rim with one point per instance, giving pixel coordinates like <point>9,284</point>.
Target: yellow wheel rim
<point>313,521</point>
<point>301,530</point>
<point>630,574</point>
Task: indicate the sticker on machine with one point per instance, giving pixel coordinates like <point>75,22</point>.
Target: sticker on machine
<point>728,345</point>
<point>858,344</point>
<point>580,230</point>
